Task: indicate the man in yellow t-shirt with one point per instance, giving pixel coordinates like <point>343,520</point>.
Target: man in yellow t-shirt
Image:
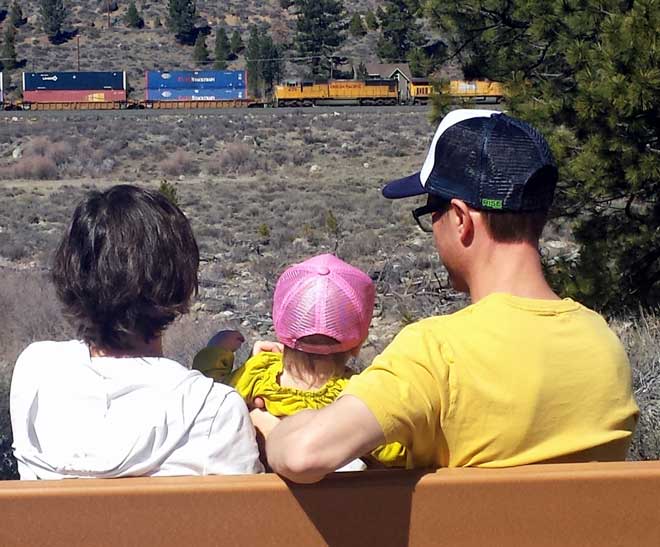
<point>518,377</point>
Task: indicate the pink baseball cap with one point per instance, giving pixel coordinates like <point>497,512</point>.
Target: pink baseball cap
<point>323,295</point>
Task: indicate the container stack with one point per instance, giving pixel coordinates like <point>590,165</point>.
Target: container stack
<point>201,85</point>
<point>74,87</point>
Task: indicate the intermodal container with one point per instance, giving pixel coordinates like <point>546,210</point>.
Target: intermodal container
<point>224,94</point>
<point>198,79</point>
<point>69,81</point>
<point>2,88</point>
<point>74,96</point>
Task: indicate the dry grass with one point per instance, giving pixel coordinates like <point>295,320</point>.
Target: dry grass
<point>641,337</point>
<point>137,147</point>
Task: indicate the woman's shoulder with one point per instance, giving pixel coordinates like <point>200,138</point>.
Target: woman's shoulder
<point>48,353</point>
<point>54,348</point>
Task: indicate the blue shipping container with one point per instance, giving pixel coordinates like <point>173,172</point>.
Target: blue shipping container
<point>224,94</point>
<point>199,79</point>
<point>73,81</point>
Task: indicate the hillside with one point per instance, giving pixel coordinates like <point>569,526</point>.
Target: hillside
<point>106,43</point>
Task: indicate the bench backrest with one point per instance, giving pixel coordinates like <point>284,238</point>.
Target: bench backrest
<point>562,504</point>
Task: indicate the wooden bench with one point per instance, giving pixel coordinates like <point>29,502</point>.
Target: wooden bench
<point>562,504</point>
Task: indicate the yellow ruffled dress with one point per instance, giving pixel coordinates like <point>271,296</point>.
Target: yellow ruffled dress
<point>259,377</point>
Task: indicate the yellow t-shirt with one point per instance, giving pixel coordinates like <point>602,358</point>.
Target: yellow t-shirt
<point>259,377</point>
<point>214,362</point>
<point>506,381</point>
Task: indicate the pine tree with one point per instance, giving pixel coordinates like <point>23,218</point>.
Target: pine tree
<point>181,21</point>
<point>133,17</point>
<point>587,75</point>
<point>320,26</point>
<point>200,52</point>
<point>399,30</point>
<point>53,14</point>
<point>272,64</point>
<point>356,27</point>
<point>8,50</point>
<point>421,64</point>
<point>264,62</point>
<point>16,18</point>
<point>236,43</point>
<point>361,73</point>
<point>371,21</point>
<point>253,56</point>
<point>222,49</point>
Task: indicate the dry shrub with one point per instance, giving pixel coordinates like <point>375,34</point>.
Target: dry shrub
<point>32,167</point>
<point>38,146</point>
<point>40,161</point>
<point>58,152</point>
<point>236,158</point>
<point>179,163</point>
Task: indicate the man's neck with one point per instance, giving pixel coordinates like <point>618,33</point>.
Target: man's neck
<point>513,268</point>
<point>153,348</point>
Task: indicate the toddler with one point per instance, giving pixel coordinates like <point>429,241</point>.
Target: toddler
<point>322,310</point>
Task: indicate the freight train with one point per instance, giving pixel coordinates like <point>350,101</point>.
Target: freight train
<point>224,89</point>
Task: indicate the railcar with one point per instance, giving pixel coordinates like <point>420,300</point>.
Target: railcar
<point>474,91</point>
<point>420,91</point>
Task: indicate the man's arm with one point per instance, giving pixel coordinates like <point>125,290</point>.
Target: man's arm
<point>312,443</point>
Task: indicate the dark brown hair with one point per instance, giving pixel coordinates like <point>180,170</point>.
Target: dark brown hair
<point>507,227</point>
<point>126,266</point>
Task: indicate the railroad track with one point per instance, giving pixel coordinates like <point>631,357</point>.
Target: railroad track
<point>226,112</point>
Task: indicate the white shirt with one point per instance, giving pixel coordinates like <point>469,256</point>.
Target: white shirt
<point>74,415</point>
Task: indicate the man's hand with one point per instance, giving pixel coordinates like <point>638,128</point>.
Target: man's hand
<point>312,443</point>
<point>264,422</point>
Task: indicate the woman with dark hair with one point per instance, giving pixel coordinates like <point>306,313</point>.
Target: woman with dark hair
<point>109,404</point>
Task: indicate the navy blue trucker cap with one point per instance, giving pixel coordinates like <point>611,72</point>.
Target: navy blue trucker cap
<point>487,159</point>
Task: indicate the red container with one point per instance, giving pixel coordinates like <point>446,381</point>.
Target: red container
<point>74,96</point>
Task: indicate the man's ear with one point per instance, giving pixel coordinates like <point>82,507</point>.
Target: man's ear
<point>462,221</point>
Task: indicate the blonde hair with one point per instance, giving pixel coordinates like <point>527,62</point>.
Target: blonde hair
<point>303,362</point>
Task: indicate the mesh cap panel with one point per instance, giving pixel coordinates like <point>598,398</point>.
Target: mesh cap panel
<point>514,153</point>
<point>494,162</point>
<point>327,296</point>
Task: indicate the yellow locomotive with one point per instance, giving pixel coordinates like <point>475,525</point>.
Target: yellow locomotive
<point>359,92</point>
<point>475,91</point>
